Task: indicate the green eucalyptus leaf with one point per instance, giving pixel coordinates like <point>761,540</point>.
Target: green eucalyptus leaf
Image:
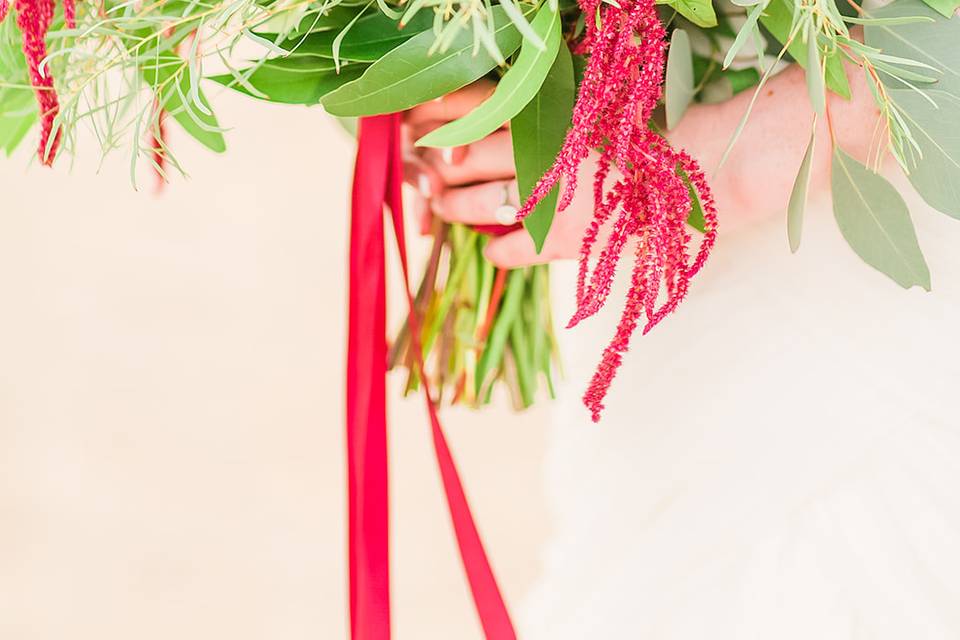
<point>874,221</point>
<point>678,87</point>
<point>933,43</point>
<point>699,12</point>
<point>338,39</point>
<point>935,173</point>
<point>514,91</point>
<point>746,31</point>
<point>931,117</point>
<point>409,75</point>
<point>292,80</point>
<point>538,132</point>
<point>798,195</point>
<point>169,78</point>
<point>814,72</point>
<point>369,39</point>
<point>778,19</point>
<point>946,8</point>
<point>887,21</point>
<point>902,76</point>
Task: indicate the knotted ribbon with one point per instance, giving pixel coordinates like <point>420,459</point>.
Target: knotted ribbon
<point>377,182</point>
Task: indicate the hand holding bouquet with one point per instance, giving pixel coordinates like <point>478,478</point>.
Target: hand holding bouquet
<point>580,89</point>
<point>584,93</point>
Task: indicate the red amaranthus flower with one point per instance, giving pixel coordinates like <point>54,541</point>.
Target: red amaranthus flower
<point>651,200</point>
<point>33,20</point>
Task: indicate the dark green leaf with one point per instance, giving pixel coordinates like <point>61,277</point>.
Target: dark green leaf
<point>332,19</point>
<point>695,219</point>
<point>514,91</point>
<point>368,40</point>
<point>538,133</point>
<point>579,67</point>
<point>409,75</point>
<point>294,80</point>
<point>741,79</point>
<point>874,220</point>
<point>699,12</point>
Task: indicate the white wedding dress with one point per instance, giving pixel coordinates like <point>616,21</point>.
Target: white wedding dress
<point>778,460</point>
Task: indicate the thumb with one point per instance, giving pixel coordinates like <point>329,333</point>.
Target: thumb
<point>515,250</point>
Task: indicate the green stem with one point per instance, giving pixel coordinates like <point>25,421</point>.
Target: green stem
<point>520,347</point>
<point>460,263</point>
<point>496,342</point>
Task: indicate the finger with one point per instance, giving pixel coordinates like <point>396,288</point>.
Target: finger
<point>453,155</point>
<point>483,161</point>
<point>422,129</point>
<point>486,203</point>
<point>448,155</point>
<point>515,250</point>
<point>422,177</point>
<point>420,208</point>
<point>451,106</point>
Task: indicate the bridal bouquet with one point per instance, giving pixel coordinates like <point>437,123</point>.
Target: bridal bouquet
<point>600,77</point>
<point>596,79</point>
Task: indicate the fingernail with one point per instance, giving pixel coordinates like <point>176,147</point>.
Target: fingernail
<point>505,214</point>
<point>447,155</point>
<point>423,185</point>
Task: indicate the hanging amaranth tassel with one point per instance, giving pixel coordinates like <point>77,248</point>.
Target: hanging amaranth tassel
<point>33,20</point>
<point>651,202</point>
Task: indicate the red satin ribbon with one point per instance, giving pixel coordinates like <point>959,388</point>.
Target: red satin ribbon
<point>377,181</point>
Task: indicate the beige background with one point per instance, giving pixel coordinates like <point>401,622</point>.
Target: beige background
<point>171,436</point>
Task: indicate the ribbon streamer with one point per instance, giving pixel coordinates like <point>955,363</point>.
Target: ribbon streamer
<point>377,182</point>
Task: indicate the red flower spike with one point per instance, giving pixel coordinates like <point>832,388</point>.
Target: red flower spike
<point>70,13</point>
<point>4,9</point>
<point>650,202</point>
<point>33,19</point>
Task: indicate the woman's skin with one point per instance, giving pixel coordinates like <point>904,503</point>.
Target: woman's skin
<point>467,184</point>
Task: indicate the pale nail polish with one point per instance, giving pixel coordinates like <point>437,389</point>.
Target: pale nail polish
<point>447,155</point>
<point>423,185</point>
